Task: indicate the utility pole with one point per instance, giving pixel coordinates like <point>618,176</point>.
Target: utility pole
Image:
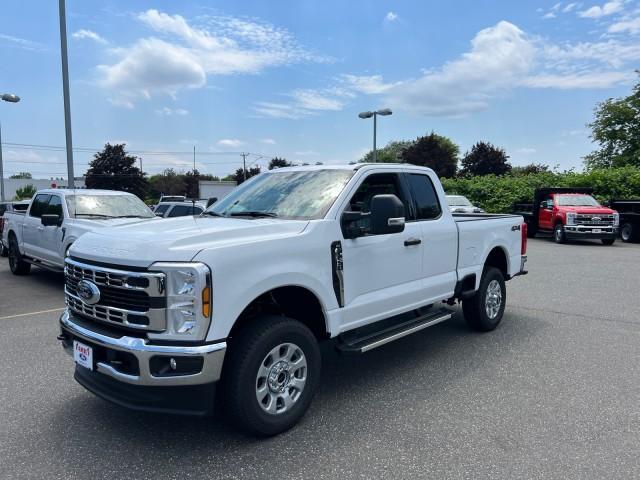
<point>1,170</point>
<point>141,170</point>
<point>244,165</point>
<point>65,91</point>
<point>194,159</point>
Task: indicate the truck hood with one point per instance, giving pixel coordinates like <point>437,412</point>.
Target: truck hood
<point>588,210</point>
<point>176,239</point>
<point>98,224</point>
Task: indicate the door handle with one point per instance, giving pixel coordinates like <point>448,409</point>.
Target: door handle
<point>412,241</point>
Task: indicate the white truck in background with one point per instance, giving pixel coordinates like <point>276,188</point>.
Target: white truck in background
<point>162,314</point>
<point>58,217</point>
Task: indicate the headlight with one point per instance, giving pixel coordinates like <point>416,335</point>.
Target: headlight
<point>571,218</point>
<point>616,219</point>
<point>188,293</point>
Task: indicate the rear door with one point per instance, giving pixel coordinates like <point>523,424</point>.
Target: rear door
<point>439,238</point>
<point>32,227</point>
<point>382,273</point>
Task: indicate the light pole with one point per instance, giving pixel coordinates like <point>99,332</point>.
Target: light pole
<point>65,92</point>
<point>7,97</point>
<point>384,112</point>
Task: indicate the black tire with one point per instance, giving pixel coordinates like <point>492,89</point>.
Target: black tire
<point>4,251</point>
<point>247,354</point>
<point>626,232</point>
<point>16,263</point>
<point>475,308</point>
<point>608,241</point>
<point>558,234</point>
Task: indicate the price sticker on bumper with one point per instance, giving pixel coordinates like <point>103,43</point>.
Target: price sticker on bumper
<point>83,355</point>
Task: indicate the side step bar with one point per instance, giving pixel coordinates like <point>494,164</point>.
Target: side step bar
<point>373,339</point>
<point>41,264</point>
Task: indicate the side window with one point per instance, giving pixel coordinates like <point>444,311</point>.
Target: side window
<point>161,209</point>
<point>375,184</point>
<point>55,206</point>
<point>197,211</point>
<point>424,194</point>
<point>39,205</point>
<point>181,211</point>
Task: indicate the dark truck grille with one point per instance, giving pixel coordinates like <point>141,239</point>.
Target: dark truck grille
<point>594,219</point>
<point>130,299</point>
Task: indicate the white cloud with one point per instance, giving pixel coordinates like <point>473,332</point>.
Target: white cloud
<point>167,111</point>
<point>391,16</point>
<point>230,143</point>
<point>499,57</point>
<point>549,15</point>
<point>23,43</point>
<point>588,80</point>
<point>608,8</point>
<point>372,84</point>
<point>268,141</point>
<point>280,110</point>
<point>611,52</point>
<point>309,99</point>
<point>571,6</point>
<point>185,55</point>
<point>526,151</point>
<point>89,35</point>
<point>631,25</point>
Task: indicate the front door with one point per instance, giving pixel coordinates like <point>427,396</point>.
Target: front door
<point>52,235</point>
<point>382,273</point>
<point>545,214</point>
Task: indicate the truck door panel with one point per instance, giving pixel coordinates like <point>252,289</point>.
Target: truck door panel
<point>32,227</point>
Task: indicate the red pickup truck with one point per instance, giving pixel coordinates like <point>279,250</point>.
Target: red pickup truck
<point>570,214</point>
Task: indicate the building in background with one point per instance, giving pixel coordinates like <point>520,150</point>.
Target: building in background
<point>11,185</point>
<point>214,189</point>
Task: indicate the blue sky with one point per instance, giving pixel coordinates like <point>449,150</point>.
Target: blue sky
<point>288,78</point>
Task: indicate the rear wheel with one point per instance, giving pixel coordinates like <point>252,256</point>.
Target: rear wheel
<point>608,241</point>
<point>16,263</point>
<point>483,311</point>
<point>271,376</point>
<point>626,232</point>
<point>558,234</point>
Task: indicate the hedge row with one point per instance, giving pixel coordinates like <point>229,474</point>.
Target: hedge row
<point>498,194</point>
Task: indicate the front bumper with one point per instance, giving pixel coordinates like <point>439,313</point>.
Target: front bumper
<point>577,232</point>
<point>130,371</point>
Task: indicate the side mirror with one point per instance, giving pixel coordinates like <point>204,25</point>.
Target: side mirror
<point>50,220</point>
<point>387,214</point>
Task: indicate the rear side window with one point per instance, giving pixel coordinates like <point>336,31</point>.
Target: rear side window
<point>55,206</point>
<point>39,205</point>
<point>425,197</point>
<point>183,210</point>
<point>161,209</point>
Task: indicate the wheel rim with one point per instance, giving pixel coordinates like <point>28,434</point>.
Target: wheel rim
<point>493,299</point>
<point>281,378</point>
<point>626,232</point>
<point>558,233</point>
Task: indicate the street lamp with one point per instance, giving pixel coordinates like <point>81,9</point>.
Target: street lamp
<point>384,112</point>
<point>11,98</point>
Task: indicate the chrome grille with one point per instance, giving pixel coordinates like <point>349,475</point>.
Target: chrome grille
<point>130,299</point>
<point>594,219</point>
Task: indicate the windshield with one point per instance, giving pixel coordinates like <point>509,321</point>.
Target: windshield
<point>459,202</point>
<point>107,206</point>
<point>303,195</point>
<point>576,201</point>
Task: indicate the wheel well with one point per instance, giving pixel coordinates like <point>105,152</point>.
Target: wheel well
<point>498,259</point>
<point>290,301</point>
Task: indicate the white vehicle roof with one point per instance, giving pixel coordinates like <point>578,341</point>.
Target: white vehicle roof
<point>81,191</point>
<point>354,166</point>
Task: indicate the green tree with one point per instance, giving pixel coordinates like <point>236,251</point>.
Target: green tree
<point>22,175</point>
<point>485,158</point>
<point>114,169</point>
<point>277,162</point>
<point>192,183</point>
<point>169,182</point>
<point>616,130</point>
<point>25,192</point>
<point>238,176</point>
<point>390,153</point>
<point>433,151</point>
<point>529,169</point>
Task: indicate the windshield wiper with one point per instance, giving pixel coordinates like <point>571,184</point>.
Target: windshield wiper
<point>94,215</point>
<point>253,213</point>
<point>132,216</point>
<point>212,214</point>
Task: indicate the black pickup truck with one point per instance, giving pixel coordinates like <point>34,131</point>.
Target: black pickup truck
<point>629,211</point>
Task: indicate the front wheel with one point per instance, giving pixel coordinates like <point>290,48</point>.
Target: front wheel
<point>626,232</point>
<point>271,375</point>
<point>608,241</point>
<point>16,263</point>
<point>483,311</point>
<point>558,234</point>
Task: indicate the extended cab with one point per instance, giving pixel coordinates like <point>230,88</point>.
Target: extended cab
<point>569,214</point>
<point>58,217</point>
<point>161,314</point>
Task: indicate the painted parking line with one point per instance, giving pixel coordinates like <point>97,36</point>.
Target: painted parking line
<point>32,313</point>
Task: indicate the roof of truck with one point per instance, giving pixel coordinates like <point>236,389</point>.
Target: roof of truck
<point>350,166</point>
<point>82,191</point>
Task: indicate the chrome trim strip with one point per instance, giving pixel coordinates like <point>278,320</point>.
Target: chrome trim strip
<point>213,356</point>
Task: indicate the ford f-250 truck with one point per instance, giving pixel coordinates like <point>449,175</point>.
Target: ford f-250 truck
<point>58,217</point>
<point>569,214</point>
<point>161,314</point>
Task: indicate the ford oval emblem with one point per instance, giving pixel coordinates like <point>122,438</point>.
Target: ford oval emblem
<point>88,292</point>
<point>596,219</point>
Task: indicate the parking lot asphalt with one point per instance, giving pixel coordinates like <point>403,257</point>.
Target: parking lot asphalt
<point>554,392</point>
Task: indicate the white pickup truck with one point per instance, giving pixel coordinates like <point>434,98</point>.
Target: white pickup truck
<point>161,314</point>
<point>58,217</point>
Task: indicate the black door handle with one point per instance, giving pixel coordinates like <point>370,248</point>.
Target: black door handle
<point>412,241</point>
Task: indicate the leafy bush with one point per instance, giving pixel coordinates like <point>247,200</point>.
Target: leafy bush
<point>498,194</point>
